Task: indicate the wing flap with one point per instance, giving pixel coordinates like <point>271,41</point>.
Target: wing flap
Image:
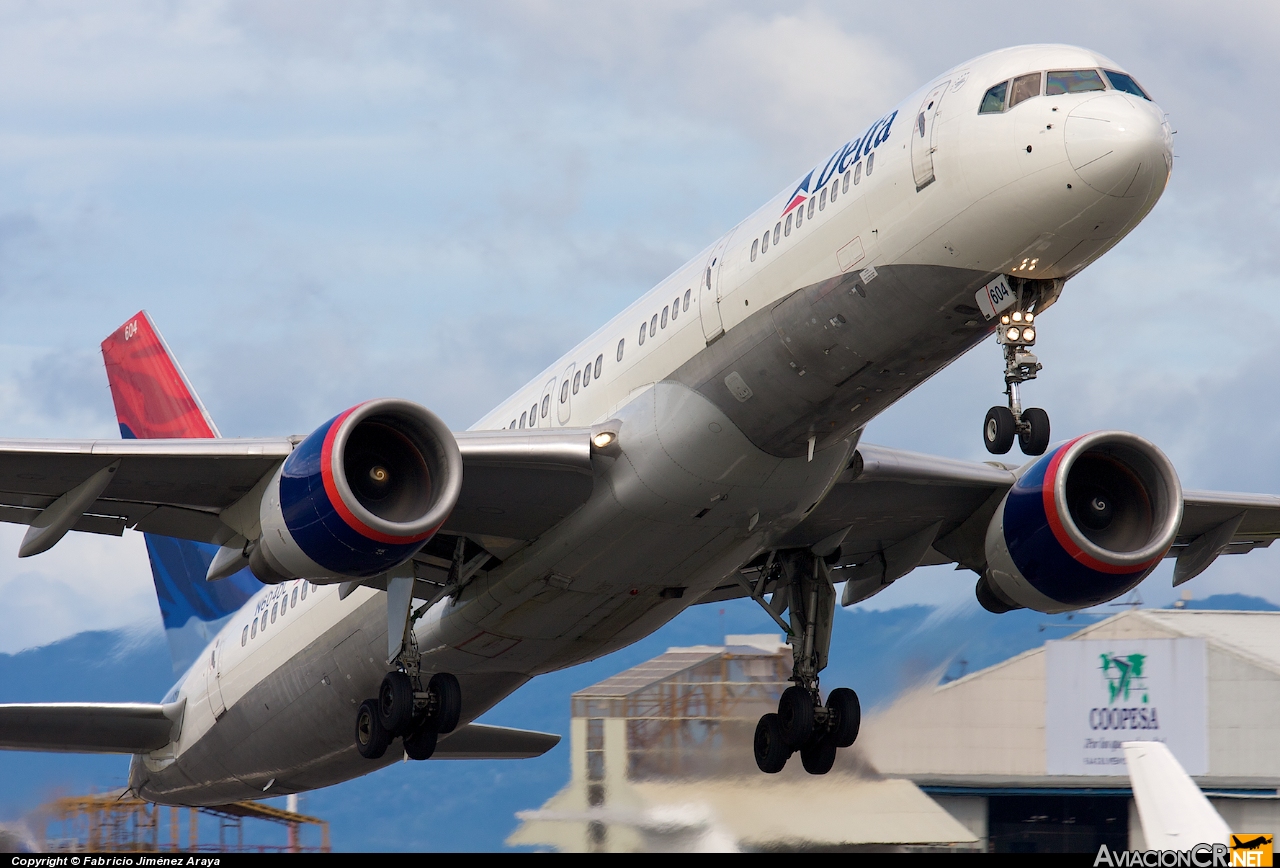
<point>482,741</point>
<point>89,727</point>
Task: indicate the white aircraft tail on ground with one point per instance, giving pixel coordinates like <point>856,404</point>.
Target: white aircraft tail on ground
<point>1175,814</point>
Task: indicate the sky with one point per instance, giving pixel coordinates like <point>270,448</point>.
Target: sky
<point>321,202</point>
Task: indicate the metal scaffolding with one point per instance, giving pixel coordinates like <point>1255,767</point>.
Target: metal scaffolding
<point>114,823</point>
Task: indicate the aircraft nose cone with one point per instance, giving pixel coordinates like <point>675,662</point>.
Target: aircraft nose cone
<point>1119,145</point>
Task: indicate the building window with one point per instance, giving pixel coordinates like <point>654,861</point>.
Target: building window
<point>755,249</point>
<point>595,749</point>
<point>622,341</point>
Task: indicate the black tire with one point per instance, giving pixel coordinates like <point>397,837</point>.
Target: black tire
<point>395,703</point>
<point>371,738</point>
<point>448,702</point>
<point>1035,441</point>
<point>846,716</point>
<point>818,755</point>
<point>795,715</point>
<point>771,750</point>
<point>998,430</point>
<point>420,744</point>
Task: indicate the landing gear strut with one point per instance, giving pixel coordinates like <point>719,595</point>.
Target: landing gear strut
<point>1031,426</point>
<point>803,723</point>
<point>405,708</point>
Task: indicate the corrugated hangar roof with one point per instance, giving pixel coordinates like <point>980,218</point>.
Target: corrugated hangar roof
<point>1255,635</point>
<point>673,662</point>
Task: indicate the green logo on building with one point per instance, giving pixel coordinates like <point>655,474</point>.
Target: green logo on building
<point>1124,675</point>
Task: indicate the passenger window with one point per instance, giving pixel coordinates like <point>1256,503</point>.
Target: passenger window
<point>644,326</point>
<point>533,416</point>
<point>273,613</point>
<point>1024,88</point>
<point>623,341</point>
<point>253,629</point>
<point>263,625</point>
<point>653,325</point>
<point>244,635</point>
<point>799,215</point>
<point>664,317</point>
<point>822,200</point>
<point>787,229</point>
<point>586,374</point>
<point>1125,84</point>
<point>1074,81</point>
<point>857,173</point>
<point>284,604</point>
<point>577,381</point>
<point>512,426</point>
<point>564,391</point>
<point>993,100</point>
<point>305,584</point>
<point>871,163</point>
<point>294,601</point>
<point>675,311</point>
<point>811,203</point>
<point>776,229</point>
<point>764,243</point>
<point>546,405</point>
<point>835,188</point>
<point>845,186</point>
<point>523,416</point>
<point>687,293</point>
<point>600,361</point>
<point>755,249</point>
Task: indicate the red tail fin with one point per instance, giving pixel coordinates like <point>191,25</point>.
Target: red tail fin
<point>152,396</point>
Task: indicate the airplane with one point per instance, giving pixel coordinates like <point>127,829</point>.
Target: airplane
<point>384,578</point>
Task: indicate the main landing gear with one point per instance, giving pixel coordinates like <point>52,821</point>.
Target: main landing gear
<point>403,709</point>
<point>1003,424</point>
<point>803,722</point>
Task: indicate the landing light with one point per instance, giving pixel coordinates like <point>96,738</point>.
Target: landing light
<point>1028,335</point>
<point>603,439</point>
<point>1017,316</point>
<point>1012,333</point>
<point>1030,317</point>
<point>1004,320</point>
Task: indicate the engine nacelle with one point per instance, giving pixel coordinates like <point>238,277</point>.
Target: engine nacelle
<point>1084,524</point>
<point>359,496</point>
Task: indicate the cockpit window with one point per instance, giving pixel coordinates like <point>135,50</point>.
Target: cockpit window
<point>1074,81</point>
<point>1024,88</point>
<point>993,102</point>
<point>1125,84</point>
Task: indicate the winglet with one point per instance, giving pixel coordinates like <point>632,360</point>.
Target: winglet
<point>152,395</point>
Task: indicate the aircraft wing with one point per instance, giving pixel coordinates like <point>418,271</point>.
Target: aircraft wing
<point>481,741</point>
<point>893,511</point>
<point>138,727</point>
<point>516,484</point>
<point>89,727</point>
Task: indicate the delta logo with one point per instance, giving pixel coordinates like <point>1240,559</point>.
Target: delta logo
<point>840,161</point>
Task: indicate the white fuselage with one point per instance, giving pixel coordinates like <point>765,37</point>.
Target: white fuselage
<point>738,410</point>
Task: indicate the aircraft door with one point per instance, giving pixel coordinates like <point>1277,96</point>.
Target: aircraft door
<point>547,412</point>
<point>564,401</point>
<point>923,135</point>
<point>709,290</point>
<point>216,704</point>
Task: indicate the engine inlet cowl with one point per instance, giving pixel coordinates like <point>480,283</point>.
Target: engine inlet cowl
<point>1084,524</point>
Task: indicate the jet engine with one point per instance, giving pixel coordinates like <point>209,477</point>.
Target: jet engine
<point>359,495</point>
<point>1082,525</point>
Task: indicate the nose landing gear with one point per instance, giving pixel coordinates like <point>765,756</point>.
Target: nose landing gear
<point>1003,424</point>
<point>803,723</point>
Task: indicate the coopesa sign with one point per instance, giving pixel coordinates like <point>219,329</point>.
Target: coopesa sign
<point>1100,693</point>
